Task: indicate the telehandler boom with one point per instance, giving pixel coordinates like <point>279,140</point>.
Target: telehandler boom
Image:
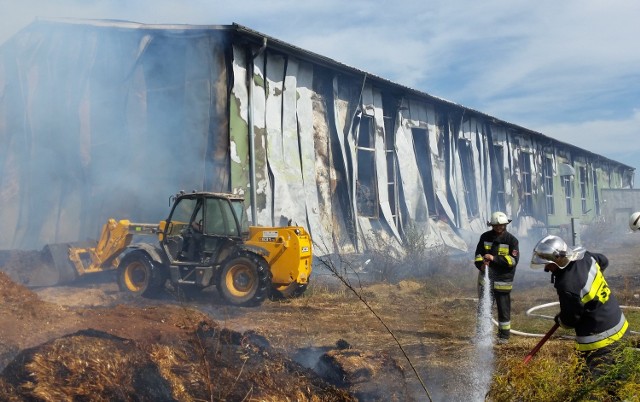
<point>200,244</point>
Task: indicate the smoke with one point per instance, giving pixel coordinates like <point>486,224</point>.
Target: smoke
<point>17,15</point>
<point>103,122</point>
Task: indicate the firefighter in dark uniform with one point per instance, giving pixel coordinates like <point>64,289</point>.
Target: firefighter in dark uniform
<point>498,250</point>
<point>586,302</point>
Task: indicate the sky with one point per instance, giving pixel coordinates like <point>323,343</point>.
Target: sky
<point>568,69</point>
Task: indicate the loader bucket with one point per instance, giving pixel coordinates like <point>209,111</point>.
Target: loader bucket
<point>50,266</point>
<point>57,256</point>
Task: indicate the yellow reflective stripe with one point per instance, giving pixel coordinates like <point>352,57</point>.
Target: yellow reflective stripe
<point>478,258</point>
<point>588,286</point>
<point>509,260</point>
<point>597,341</point>
<point>503,249</point>
<point>487,245</point>
<point>504,325</point>
<point>595,281</point>
<point>503,285</point>
<point>598,283</point>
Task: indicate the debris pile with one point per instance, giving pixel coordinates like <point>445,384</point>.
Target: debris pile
<point>27,267</point>
<point>140,353</point>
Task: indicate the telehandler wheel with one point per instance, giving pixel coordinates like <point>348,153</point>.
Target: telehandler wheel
<point>245,279</point>
<point>138,275</point>
<point>290,291</point>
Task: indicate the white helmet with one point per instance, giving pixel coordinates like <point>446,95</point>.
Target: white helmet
<point>553,249</point>
<point>498,218</point>
<point>634,221</point>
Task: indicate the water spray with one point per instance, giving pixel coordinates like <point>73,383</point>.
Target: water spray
<point>483,353</point>
<point>484,312</point>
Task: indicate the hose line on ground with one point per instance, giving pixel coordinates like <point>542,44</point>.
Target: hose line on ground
<point>529,313</point>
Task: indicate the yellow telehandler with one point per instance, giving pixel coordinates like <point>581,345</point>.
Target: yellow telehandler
<point>200,244</point>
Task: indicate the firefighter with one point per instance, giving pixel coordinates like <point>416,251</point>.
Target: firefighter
<point>586,302</point>
<point>634,221</point>
<point>498,250</point>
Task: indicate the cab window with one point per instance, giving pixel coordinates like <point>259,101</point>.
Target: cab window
<point>220,220</point>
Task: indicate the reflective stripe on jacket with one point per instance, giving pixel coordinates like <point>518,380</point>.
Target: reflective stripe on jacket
<point>597,341</point>
<point>505,251</point>
<point>586,303</point>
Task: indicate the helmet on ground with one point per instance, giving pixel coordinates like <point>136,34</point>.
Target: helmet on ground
<point>634,221</point>
<point>552,249</point>
<point>498,218</point>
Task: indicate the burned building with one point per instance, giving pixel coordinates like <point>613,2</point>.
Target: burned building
<point>104,119</point>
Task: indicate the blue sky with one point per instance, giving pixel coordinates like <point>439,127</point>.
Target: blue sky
<point>569,69</point>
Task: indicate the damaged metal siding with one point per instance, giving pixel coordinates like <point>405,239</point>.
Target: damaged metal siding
<point>239,125</point>
<point>452,167</point>
<point>305,122</point>
<point>356,159</point>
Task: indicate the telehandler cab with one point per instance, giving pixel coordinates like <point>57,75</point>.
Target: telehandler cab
<point>200,244</point>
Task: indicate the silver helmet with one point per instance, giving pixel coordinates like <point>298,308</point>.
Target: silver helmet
<point>634,221</point>
<point>552,249</point>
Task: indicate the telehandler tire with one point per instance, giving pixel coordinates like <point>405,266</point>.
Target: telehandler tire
<point>138,275</point>
<point>245,279</point>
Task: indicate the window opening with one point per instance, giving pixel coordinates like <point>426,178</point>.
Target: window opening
<point>497,163</point>
<point>548,185</point>
<point>583,189</point>
<point>568,193</point>
<point>392,169</point>
<point>423,158</point>
<point>366,184</point>
<point>468,177</point>
<point>596,197</point>
<point>525,175</point>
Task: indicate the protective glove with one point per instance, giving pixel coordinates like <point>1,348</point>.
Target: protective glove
<point>558,321</point>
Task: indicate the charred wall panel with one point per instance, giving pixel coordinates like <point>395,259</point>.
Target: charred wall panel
<point>239,126</point>
<point>257,104</point>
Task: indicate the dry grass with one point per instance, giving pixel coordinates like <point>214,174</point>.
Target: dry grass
<point>557,374</point>
<point>544,379</point>
<point>179,371</point>
<point>431,312</point>
<point>445,303</point>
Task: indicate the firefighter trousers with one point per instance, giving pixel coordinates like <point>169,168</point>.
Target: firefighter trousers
<point>502,300</point>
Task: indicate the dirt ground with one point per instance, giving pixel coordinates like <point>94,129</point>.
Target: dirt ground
<point>408,340</point>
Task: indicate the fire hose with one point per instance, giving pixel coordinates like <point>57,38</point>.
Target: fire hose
<point>529,313</point>
<point>539,345</point>
<point>553,329</point>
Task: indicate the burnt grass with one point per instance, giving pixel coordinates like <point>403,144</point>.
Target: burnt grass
<point>382,340</point>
